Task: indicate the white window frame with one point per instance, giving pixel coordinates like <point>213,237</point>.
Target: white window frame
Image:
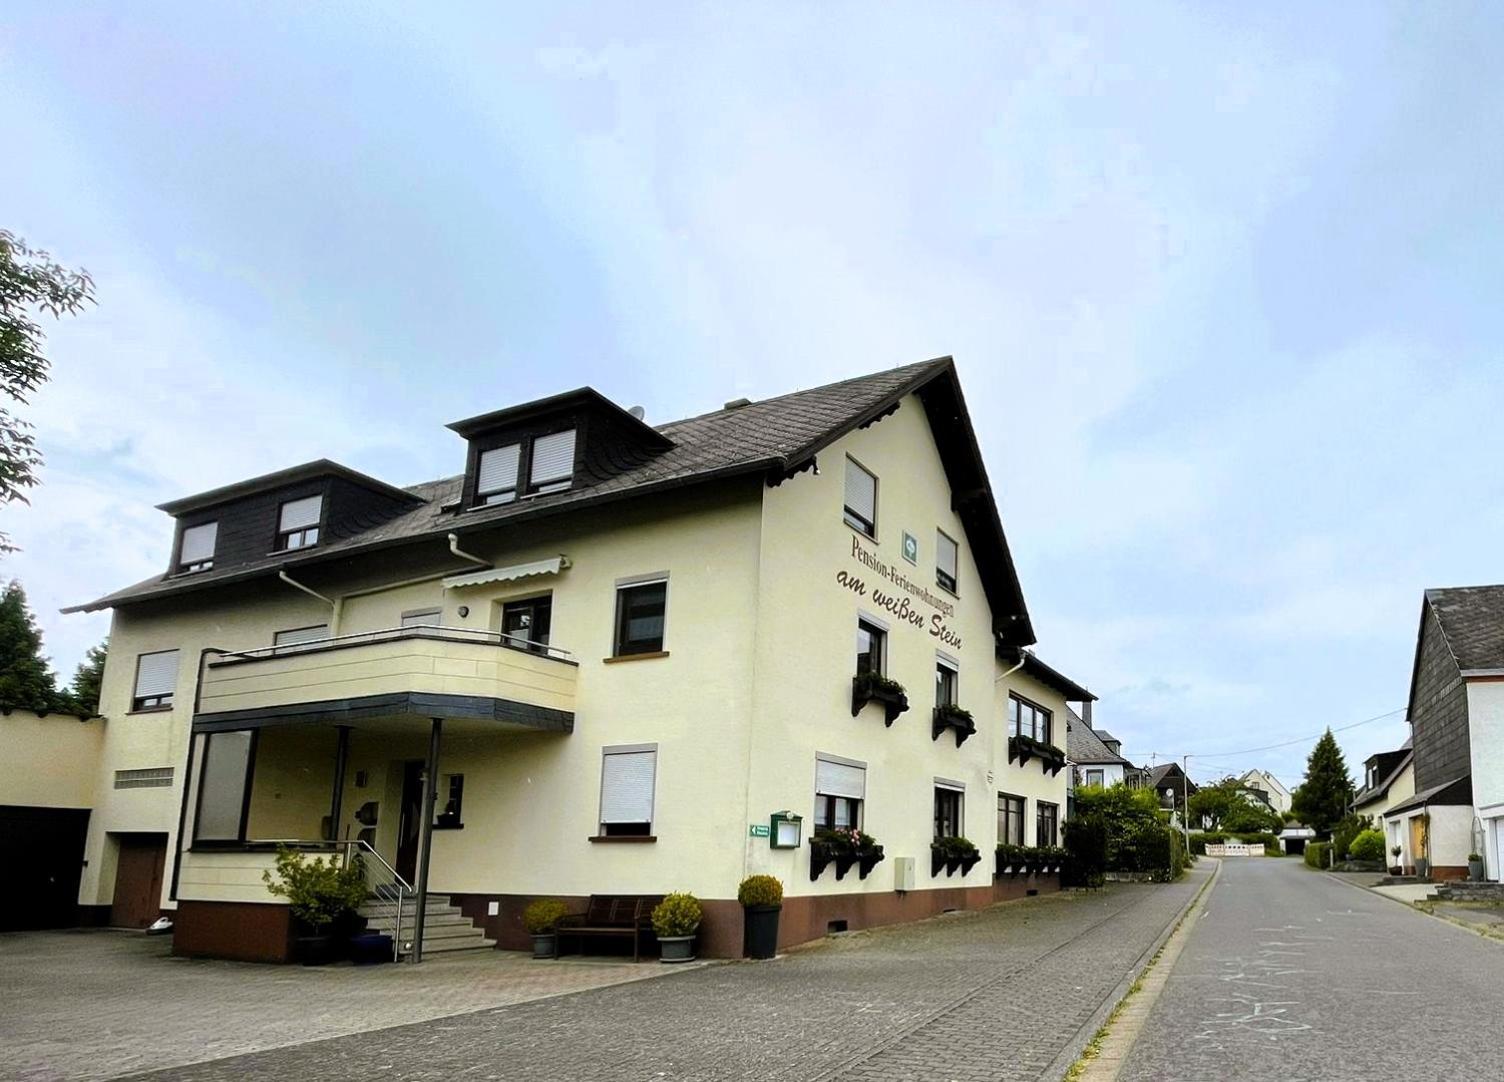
<point>821,795</point>
<point>631,582</point>
<point>555,482</point>
<point>157,699</point>
<point>187,565</point>
<point>600,820</point>
<point>294,538</point>
<point>854,518</point>
<point>503,493</point>
<point>954,589</point>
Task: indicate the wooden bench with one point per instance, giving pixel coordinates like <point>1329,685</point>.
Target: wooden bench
<point>622,916</point>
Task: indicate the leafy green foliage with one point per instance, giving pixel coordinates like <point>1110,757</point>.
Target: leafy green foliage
<point>953,848</point>
<point>26,681</point>
<point>1138,840</point>
<point>1323,798</point>
<point>317,889</point>
<point>760,890</point>
<point>543,915</point>
<point>1368,845</point>
<point>1086,851</point>
<point>30,284</point>
<point>1230,806</point>
<point>678,914</point>
<point>845,842</point>
<point>1316,853</point>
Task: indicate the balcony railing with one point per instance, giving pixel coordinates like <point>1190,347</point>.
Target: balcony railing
<point>419,660</point>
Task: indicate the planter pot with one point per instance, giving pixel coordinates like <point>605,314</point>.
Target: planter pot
<point>760,931</point>
<point>317,950</point>
<point>893,703</point>
<point>1396,870</point>
<point>1475,870</point>
<point>546,945</point>
<point>677,948</point>
<point>867,861</point>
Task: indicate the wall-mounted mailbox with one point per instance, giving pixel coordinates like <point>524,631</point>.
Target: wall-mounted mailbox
<point>785,828</point>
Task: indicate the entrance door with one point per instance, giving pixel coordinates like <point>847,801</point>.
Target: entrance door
<point>409,826</point>
<point>138,880</point>
<point>1417,838</point>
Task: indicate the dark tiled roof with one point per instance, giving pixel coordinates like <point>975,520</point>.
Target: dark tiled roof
<point>772,437</point>
<point>1084,746</point>
<point>1457,791</point>
<point>1472,622</point>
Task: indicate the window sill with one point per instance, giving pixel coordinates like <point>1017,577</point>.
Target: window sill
<point>623,839</point>
<point>634,657</point>
<point>946,589</point>
<point>863,534</point>
<point>150,710</point>
<point>449,826</point>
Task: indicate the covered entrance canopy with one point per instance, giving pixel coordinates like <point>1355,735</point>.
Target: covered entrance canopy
<point>338,742</point>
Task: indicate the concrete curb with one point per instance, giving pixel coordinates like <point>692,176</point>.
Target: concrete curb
<point>1413,907</point>
<point>1068,1056</point>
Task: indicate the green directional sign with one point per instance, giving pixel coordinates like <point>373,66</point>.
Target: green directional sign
<point>760,830</point>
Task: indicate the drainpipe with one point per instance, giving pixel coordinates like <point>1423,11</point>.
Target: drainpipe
<point>1023,655</point>
<point>454,547</point>
<point>425,837</point>
<point>335,604</point>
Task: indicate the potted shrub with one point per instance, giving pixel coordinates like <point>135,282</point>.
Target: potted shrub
<point>871,687</point>
<point>951,716</point>
<point>1396,869</point>
<point>676,919</point>
<point>322,895</point>
<point>1475,867</point>
<point>761,897</point>
<point>541,919</point>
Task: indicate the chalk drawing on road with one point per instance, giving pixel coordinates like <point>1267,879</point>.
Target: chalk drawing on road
<point>1262,1018</point>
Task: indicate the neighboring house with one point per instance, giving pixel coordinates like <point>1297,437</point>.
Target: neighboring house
<point>1293,838</point>
<point>1456,711</point>
<point>1267,788</point>
<point>48,770</point>
<point>607,658</point>
<point>1388,780</point>
<point>1095,753</point>
<point>1170,785</point>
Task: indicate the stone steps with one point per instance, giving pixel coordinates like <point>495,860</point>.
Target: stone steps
<point>445,928</point>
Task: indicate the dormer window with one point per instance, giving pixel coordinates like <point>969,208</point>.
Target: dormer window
<point>530,467</point>
<point>496,480</point>
<point>298,523</point>
<point>552,467</point>
<point>196,550</point>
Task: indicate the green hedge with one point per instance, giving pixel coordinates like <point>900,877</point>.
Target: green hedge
<point>1316,853</point>
<point>1368,845</point>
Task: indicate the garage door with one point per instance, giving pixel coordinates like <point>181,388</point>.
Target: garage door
<point>138,879</point>
<point>42,852</point>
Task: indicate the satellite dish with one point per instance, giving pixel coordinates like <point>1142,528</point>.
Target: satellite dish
<point>638,412</point>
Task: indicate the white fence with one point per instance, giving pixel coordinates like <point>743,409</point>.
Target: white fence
<point>1235,849</point>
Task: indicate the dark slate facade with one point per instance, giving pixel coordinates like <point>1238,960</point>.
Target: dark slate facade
<point>1438,709</point>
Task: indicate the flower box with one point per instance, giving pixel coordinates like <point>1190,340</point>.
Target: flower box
<point>865,862</point>
<point>846,849</point>
<point>951,716</point>
<point>1024,748</point>
<point>873,688</point>
<point>952,854</point>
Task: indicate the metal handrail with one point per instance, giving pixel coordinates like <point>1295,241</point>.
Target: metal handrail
<point>355,849</point>
<point>391,634</point>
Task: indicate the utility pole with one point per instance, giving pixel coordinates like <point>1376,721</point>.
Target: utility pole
<point>1185,809</point>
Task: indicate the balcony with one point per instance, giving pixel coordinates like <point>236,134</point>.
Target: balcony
<point>427,672</point>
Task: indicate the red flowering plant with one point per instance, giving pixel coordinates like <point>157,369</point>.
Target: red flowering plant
<point>845,842</point>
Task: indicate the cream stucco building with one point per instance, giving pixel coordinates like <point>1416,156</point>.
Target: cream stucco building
<point>604,657</point>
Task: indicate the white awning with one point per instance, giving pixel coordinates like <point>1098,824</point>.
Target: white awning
<point>551,566</point>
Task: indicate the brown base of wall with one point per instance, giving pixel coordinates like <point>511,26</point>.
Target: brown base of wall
<point>1449,871</point>
<point>241,931</point>
<point>804,918</point>
<point>93,916</point>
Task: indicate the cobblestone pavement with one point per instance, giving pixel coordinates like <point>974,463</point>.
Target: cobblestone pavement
<point>99,1004</point>
<point>1295,974</point>
<point>992,995</point>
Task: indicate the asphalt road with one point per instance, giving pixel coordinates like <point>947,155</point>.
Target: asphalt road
<point>1292,974</point>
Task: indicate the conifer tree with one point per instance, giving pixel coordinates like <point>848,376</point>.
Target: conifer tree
<point>1323,799</point>
<point>26,681</point>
